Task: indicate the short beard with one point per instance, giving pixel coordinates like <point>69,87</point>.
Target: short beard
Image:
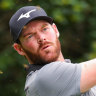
<point>37,59</point>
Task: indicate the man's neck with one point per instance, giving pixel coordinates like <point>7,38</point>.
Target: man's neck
<point>60,58</point>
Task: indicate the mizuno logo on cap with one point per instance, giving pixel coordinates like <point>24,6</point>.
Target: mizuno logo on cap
<point>26,15</point>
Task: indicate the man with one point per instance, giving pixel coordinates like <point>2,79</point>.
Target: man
<point>35,36</point>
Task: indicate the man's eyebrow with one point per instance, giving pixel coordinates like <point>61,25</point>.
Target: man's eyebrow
<point>25,34</point>
<point>44,25</point>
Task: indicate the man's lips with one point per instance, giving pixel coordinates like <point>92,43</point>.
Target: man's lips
<point>45,46</point>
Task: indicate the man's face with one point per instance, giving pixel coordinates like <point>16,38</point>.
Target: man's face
<point>39,41</point>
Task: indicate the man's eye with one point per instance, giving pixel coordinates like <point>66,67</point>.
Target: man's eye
<point>29,36</point>
<point>44,29</point>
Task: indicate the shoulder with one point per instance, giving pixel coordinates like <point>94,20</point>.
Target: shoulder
<point>55,69</point>
<point>59,67</point>
<point>59,76</point>
<point>58,71</point>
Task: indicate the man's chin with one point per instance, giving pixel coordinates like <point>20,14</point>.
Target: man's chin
<point>49,58</point>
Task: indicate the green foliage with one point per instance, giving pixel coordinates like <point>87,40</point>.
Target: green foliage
<point>6,4</point>
<point>92,54</point>
<point>76,21</point>
<point>12,77</point>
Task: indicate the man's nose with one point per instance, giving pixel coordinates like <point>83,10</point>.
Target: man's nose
<point>41,38</point>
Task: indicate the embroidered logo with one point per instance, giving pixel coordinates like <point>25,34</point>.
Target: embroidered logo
<point>26,15</point>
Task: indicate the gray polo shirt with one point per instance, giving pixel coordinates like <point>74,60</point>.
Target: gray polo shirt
<point>56,79</point>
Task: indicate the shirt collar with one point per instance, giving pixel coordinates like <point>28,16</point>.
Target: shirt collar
<point>34,67</point>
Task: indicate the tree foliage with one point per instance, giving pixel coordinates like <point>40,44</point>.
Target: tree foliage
<point>76,22</point>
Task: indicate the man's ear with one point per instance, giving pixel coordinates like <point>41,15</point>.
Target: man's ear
<point>19,49</point>
<point>56,30</point>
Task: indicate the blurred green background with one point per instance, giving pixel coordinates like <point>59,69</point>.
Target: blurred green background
<point>76,21</point>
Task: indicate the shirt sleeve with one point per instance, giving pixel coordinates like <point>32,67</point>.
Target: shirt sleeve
<point>58,79</point>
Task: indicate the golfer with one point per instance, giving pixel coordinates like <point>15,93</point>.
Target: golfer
<point>36,37</point>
